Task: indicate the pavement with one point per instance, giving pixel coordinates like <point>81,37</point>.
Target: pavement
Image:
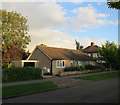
<point>64,81</point>
<point>103,91</point>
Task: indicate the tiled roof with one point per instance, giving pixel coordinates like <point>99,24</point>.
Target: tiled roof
<point>91,49</point>
<point>64,54</point>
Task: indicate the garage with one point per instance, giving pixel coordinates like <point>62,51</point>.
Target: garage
<point>25,63</point>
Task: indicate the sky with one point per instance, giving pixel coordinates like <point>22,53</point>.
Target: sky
<point>59,24</point>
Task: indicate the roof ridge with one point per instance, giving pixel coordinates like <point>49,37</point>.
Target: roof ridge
<point>64,49</point>
<point>64,53</point>
<point>58,48</point>
<point>91,49</point>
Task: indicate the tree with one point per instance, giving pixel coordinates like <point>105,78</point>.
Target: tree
<point>81,47</point>
<point>109,54</point>
<point>43,45</point>
<point>113,4</point>
<point>78,46</point>
<point>12,53</point>
<point>14,34</point>
<point>25,55</point>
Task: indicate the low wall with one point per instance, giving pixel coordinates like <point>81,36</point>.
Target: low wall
<point>77,72</point>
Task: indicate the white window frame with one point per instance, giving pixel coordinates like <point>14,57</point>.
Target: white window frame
<point>79,63</point>
<point>91,63</point>
<point>89,54</point>
<point>71,62</point>
<point>59,64</point>
<point>95,55</point>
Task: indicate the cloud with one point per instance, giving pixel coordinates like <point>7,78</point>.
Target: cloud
<point>86,41</point>
<point>40,15</point>
<point>102,15</point>
<point>113,23</point>
<point>79,30</point>
<point>86,17</point>
<point>89,5</point>
<point>77,2</point>
<point>53,38</point>
<point>99,3</point>
<point>30,0</point>
<point>44,17</point>
<point>52,15</point>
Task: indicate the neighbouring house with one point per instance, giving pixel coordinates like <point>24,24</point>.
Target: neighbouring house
<point>92,50</point>
<point>56,59</point>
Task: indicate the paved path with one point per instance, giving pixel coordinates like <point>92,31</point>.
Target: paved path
<point>65,81</point>
<point>103,91</point>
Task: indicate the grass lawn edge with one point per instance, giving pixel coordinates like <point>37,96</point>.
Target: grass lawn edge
<point>100,76</point>
<point>29,92</point>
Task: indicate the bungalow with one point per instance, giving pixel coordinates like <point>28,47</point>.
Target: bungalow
<point>56,59</point>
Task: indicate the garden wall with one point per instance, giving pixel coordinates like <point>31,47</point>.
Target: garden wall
<point>77,72</point>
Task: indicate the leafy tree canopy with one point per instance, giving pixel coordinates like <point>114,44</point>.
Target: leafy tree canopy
<point>14,32</point>
<point>109,54</point>
<point>78,46</point>
<point>115,4</point>
<point>13,53</point>
<point>42,44</point>
<point>25,55</point>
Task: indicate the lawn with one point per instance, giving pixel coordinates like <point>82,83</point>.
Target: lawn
<point>20,89</point>
<point>99,76</point>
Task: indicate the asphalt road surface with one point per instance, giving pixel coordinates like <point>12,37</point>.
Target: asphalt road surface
<point>102,91</point>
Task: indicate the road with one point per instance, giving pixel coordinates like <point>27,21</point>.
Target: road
<point>102,91</point>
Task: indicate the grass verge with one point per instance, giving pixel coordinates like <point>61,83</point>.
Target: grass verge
<point>99,76</point>
<point>8,91</point>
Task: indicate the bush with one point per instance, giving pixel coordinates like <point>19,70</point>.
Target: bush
<point>91,67</point>
<point>4,65</point>
<point>20,74</point>
<point>74,68</point>
<point>100,67</point>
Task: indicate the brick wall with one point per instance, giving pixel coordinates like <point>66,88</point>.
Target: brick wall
<point>44,61</point>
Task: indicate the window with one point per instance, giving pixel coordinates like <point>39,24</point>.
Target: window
<point>79,63</point>
<point>90,62</point>
<point>72,63</point>
<point>60,64</point>
<point>95,55</point>
<point>89,54</point>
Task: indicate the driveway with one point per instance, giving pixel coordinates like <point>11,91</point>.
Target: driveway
<point>102,91</point>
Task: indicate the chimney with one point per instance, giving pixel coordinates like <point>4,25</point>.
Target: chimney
<point>92,43</point>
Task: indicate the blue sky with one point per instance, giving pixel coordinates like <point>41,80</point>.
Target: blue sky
<point>109,32</point>
<point>59,24</point>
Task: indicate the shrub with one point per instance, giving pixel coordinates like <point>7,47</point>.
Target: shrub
<point>74,68</point>
<point>91,67</point>
<point>100,67</point>
<point>20,74</point>
<point>4,65</point>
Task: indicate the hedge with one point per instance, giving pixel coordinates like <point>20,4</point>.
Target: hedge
<point>86,67</point>
<point>21,74</point>
<point>97,67</point>
<point>74,68</point>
